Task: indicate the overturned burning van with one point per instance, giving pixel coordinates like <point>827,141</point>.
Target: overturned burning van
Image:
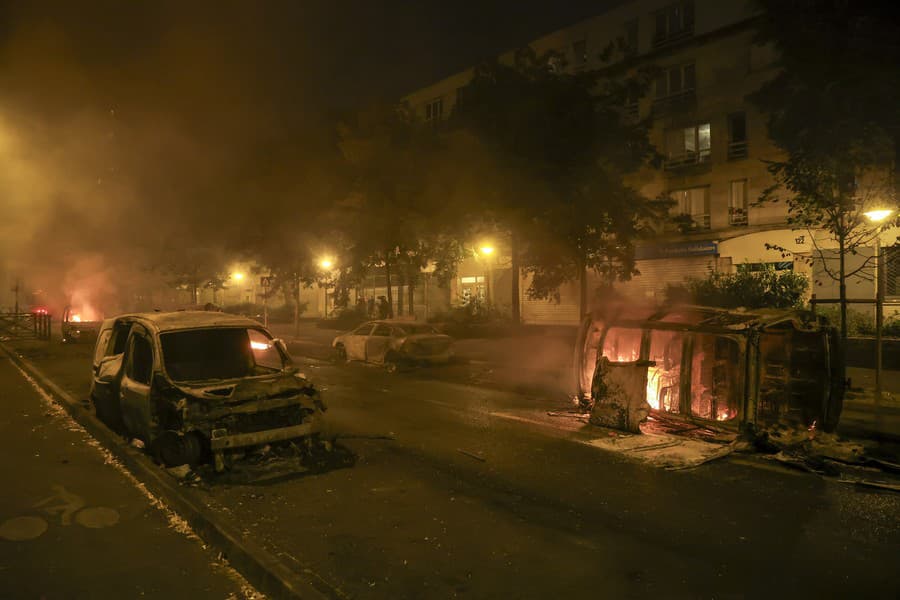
<point>728,368</point>
<point>195,386</point>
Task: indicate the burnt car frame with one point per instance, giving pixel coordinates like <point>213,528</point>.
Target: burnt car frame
<point>732,369</point>
<point>75,330</point>
<point>199,385</point>
<point>394,344</point>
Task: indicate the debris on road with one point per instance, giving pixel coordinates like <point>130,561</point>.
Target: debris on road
<point>471,455</point>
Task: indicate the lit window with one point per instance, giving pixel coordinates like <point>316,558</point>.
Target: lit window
<point>688,145</point>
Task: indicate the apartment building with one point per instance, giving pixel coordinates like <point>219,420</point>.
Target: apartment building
<point>712,139</point>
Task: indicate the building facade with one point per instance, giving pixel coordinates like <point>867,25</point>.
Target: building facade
<point>713,142</point>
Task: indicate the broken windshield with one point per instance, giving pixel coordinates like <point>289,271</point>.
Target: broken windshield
<point>220,353</point>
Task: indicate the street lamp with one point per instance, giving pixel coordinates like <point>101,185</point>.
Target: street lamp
<point>486,251</point>
<point>877,217</point>
<point>326,264</point>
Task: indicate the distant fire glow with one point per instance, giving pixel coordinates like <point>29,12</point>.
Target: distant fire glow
<point>260,346</point>
<point>75,318</point>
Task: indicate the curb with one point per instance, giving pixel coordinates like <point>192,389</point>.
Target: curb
<point>259,566</point>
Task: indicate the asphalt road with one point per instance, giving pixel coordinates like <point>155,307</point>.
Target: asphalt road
<point>463,491</point>
<point>73,525</point>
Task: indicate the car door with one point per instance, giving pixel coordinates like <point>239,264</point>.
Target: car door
<point>134,395</point>
<point>108,361</point>
<point>355,343</point>
<point>377,343</point>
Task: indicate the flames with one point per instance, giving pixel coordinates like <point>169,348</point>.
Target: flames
<point>260,346</point>
<point>76,318</point>
<point>663,389</point>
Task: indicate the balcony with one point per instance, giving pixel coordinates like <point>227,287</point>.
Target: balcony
<point>678,101</point>
<point>737,216</point>
<point>688,159</point>
<point>662,39</point>
<point>737,150</point>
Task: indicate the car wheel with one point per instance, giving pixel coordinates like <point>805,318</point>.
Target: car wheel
<point>340,354</point>
<point>392,363</point>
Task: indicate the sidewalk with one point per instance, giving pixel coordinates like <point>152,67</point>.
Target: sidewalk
<point>75,524</point>
<point>541,363</point>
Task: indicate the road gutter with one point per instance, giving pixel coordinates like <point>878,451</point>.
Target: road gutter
<point>260,567</point>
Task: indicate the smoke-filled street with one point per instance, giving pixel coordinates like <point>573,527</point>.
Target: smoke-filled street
<point>459,490</point>
<point>498,299</point>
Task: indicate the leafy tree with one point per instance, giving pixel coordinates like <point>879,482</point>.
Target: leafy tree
<point>760,289</point>
<point>396,217</point>
<point>562,145</point>
<point>831,111</point>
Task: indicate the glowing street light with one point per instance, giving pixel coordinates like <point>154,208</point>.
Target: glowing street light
<point>487,250</point>
<point>878,216</point>
<point>237,276</point>
<point>326,264</point>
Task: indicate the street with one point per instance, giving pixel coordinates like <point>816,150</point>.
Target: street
<point>73,524</point>
<point>463,491</point>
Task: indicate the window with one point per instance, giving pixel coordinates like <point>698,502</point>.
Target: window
<point>715,382</point>
<point>631,37</point>
<point>434,109</point>
<point>579,54</point>
<point>674,85</point>
<point>674,22</point>
<point>265,352</point>
<point>891,270</point>
<point>688,146</point>
<point>622,345</point>
<point>737,136</point>
<point>363,329</point>
<point>102,345</point>
<point>382,330</point>
<point>694,203</point>
<point>140,360</point>
<point>782,265</point>
<point>460,97</point>
<point>664,378</point>
<point>737,202</point>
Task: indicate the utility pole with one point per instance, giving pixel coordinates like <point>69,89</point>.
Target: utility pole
<point>16,290</point>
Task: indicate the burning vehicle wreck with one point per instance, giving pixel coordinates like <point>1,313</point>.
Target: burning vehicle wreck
<point>78,326</point>
<point>200,386</point>
<point>735,369</point>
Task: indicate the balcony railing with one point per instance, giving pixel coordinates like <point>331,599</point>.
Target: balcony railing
<point>737,215</point>
<point>661,39</point>
<point>675,101</point>
<point>686,160</point>
<point>737,150</point>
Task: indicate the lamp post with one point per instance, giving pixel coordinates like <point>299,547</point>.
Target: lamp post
<point>326,265</point>
<point>878,216</point>
<point>486,252</point>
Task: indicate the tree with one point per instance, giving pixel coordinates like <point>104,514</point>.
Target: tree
<point>396,217</point>
<point>562,146</point>
<point>832,113</point>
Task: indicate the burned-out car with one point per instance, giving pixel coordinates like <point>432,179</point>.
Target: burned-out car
<point>713,367</point>
<point>77,327</point>
<point>394,344</point>
<point>195,386</point>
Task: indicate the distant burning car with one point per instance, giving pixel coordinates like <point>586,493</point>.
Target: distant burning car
<point>394,344</point>
<point>195,386</point>
<point>76,328</point>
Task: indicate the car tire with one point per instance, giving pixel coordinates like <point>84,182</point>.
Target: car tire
<point>340,354</point>
<point>392,363</point>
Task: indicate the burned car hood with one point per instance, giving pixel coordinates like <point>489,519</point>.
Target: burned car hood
<point>281,385</point>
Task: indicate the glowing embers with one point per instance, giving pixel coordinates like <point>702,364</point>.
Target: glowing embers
<point>715,377</point>
<point>664,379</point>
